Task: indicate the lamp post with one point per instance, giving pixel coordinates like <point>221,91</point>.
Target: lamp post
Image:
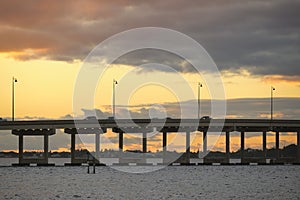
<point>14,80</point>
<point>272,89</point>
<point>114,97</point>
<point>199,86</point>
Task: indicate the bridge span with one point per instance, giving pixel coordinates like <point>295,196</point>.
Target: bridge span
<point>47,128</point>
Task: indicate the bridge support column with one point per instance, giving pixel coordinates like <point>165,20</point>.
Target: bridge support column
<point>121,141</point>
<point>144,148</point>
<point>46,147</point>
<point>242,146</point>
<point>97,146</point>
<point>77,161</point>
<point>187,147</point>
<point>227,147</point>
<point>164,144</point>
<point>33,132</point>
<point>73,142</point>
<point>277,146</point>
<point>21,150</point>
<point>204,144</point>
<point>144,142</point>
<point>265,145</point>
<point>298,147</point>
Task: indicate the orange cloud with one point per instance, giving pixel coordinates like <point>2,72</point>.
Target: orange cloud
<point>275,115</point>
<point>29,53</point>
<point>281,79</point>
<point>62,149</point>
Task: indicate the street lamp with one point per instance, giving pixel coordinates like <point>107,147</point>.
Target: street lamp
<point>14,80</point>
<point>199,86</point>
<point>272,89</point>
<point>114,97</point>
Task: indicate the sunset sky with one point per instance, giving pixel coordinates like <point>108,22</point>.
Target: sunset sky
<point>255,44</point>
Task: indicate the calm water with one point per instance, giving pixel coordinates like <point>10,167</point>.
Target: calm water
<point>57,161</point>
<point>176,182</point>
<point>108,161</point>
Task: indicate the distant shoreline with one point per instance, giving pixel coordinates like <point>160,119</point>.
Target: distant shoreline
<point>288,151</point>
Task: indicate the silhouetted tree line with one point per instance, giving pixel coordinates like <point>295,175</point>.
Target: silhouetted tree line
<point>288,151</point>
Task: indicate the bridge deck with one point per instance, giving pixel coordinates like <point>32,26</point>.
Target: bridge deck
<point>249,125</point>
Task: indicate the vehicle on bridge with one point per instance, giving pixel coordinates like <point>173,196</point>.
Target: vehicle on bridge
<point>90,118</point>
<point>205,118</point>
<point>2,120</point>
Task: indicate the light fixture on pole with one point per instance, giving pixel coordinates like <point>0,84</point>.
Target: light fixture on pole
<point>114,97</point>
<point>199,86</point>
<point>272,89</point>
<point>14,80</point>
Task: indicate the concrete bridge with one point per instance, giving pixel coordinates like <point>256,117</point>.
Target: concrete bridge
<point>47,128</point>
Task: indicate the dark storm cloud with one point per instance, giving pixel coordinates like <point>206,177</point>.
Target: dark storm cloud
<point>260,36</point>
<point>173,62</point>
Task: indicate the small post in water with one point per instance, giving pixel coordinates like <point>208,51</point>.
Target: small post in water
<point>94,166</point>
<point>87,161</point>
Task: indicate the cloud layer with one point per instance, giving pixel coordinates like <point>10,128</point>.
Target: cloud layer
<point>260,36</point>
<point>284,108</point>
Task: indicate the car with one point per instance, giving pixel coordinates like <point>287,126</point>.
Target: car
<point>2,120</point>
<point>205,118</point>
<point>91,118</point>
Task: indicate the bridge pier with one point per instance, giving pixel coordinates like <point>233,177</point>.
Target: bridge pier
<point>277,156</point>
<point>144,148</point>
<point>73,131</point>
<point>164,145</point>
<point>97,145</point>
<point>33,132</point>
<point>74,160</point>
<point>187,147</point>
<point>298,147</point>
<point>204,146</point>
<point>265,146</point>
<point>121,147</point>
<point>73,143</point>
<point>227,147</point>
<point>204,142</point>
<point>21,148</point>
<point>46,148</point>
<point>144,142</point>
<point>242,147</point>
<point>121,140</point>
